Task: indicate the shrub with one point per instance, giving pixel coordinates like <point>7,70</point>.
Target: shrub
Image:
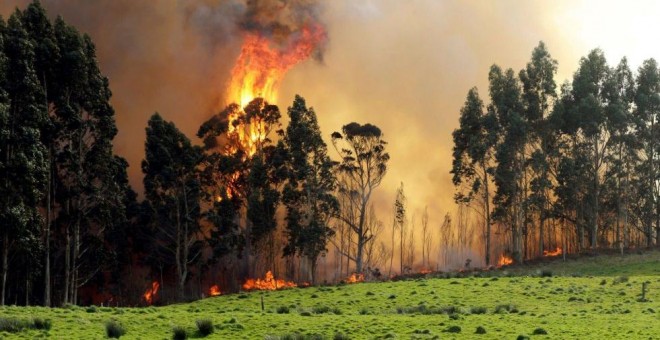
<point>320,309</point>
<point>340,336</point>
<point>44,324</point>
<point>620,279</point>
<point>478,310</point>
<point>522,337</point>
<point>506,308</point>
<point>546,273</point>
<point>480,330</point>
<point>114,329</point>
<point>204,327</point>
<point>539,331</point>
<point>282,310</point>
<point>91,309</point>
<point>13,325</point>
<point>179,333</point>
<point>453,329</point>
<point>305,313</point>
<point>364,311</point>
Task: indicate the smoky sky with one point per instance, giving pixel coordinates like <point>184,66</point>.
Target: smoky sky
<point>404,66</point>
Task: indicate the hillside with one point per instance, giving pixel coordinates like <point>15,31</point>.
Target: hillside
<point>592,297</point>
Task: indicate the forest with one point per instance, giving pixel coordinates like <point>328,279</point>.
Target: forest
<point>258,191</point>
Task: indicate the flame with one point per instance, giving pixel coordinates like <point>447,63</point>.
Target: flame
<point>268,283</point>
<point>425,271</point>
<point>258,71</point>
<point>151,292</point>
<point>555,252</point>
<point>355,278</point>
<point>214,290</point>
<point>504,261</point>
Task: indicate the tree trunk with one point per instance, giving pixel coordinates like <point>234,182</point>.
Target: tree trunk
<point>67,264</point>
<point>487,202</point>
<point>47,290</point>
<point>5,268</point>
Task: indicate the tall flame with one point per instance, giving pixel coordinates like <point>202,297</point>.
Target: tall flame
<point>268,283</point>
<point>258,72</point>
<point>151,292</point>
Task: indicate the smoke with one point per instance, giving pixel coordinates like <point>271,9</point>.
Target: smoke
<point>404,66</point>
<point>280,21</point>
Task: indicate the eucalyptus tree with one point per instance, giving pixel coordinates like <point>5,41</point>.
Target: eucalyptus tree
<point>361,169</point>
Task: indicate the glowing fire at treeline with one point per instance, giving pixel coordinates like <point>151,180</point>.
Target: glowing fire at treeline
<point>268,283</point>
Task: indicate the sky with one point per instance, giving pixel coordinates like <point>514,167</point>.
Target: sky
<point>405,66</point>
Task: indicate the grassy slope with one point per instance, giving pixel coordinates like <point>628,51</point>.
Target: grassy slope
<point>600,307</point>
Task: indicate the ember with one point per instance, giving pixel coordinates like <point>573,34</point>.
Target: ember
<point>268,283</point>
<point>151,292</point>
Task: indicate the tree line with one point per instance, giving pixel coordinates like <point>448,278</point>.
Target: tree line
<point>72,229</point>
<point>575,168</point>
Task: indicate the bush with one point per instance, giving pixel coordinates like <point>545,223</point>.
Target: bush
<point>282,310</point>
<point>478,310</point>
<point>453,329</point>
<point>620,279</point>
<point>546,273</point>
<point>44,324</point>
<point>539,331</point>
<point>320,309</point>
<point>522,337</point>
<point>340,336</point>
<point>480,330</point>
<point>114,329</point>
<point>13,325</point>
<point>506,308</point>
<point>179,333</point>
<point>91,309</point>
<point>204,327</point>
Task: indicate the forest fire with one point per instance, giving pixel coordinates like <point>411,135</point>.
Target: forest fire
<point>555,252</point>
<point>425,271</point>
<point>355,278</point>
<point>151,292</point>
<point>258,71</point>
<point>214,291</point>
<point>504,261</point>
<point>268,283</point>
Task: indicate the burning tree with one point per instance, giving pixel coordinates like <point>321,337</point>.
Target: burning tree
<point>361,169</point>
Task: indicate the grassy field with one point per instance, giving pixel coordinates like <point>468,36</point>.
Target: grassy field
<point>595,298</point>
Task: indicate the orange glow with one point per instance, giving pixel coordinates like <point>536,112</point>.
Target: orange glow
<point>355,278</point>
<point>151,292</point>
<point>555,252</point>
<point>504,261</point>
<point>425,271</point>
<point>268,283</point>
<point>258,71</point>
<point>214,290</point>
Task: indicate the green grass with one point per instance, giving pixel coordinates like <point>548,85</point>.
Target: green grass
<point>573,303</point>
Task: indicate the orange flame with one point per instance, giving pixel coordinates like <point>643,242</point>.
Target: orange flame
<point>258,71</point>
<point>504,261</point>
<point>151,292</point>
<point>355,278</point>
<point>268,283</point>
<point>555,252</point>
<point>425,271</point>
<point>214,290</point>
